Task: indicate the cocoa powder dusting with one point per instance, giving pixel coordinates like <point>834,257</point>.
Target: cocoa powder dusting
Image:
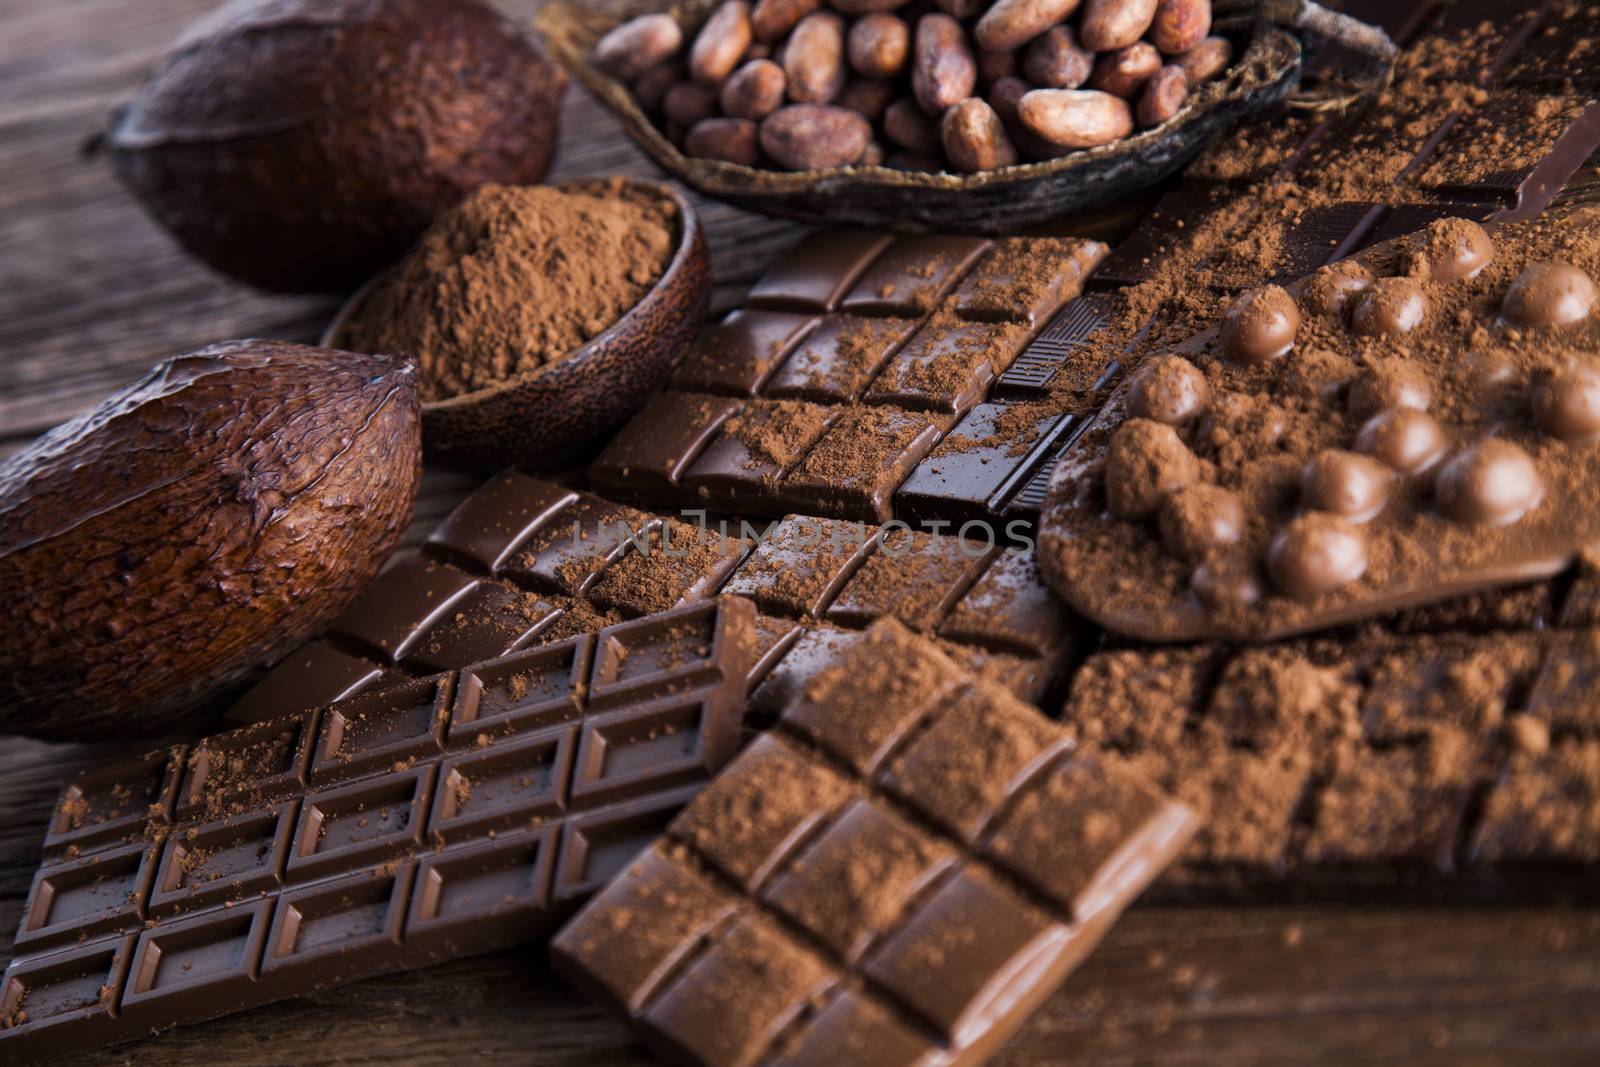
<point>514,279</point>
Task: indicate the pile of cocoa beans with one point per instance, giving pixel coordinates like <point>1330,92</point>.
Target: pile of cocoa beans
<point>925,85</point>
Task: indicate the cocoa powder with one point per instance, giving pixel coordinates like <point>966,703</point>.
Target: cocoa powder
<point>515,279</point>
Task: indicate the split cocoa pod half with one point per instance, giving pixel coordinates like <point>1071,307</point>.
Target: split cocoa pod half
<point>204,520</point>
<point>303,145</point>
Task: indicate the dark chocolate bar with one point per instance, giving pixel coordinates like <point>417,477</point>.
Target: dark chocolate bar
<point>898,873</point>
<point>852,359</point>
<point>1405,427</point>
<point>1372,763</point>
<point>442,817</point>
<point>523,562</point>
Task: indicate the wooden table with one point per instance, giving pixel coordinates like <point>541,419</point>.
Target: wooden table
<point>91,294</point>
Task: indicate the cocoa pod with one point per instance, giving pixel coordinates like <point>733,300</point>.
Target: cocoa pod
<point>653,84</point>
<point>944,70</point>
<point>867,96</point>
<point>754,91</point>
<point>1179,25</point>
<point>1124,72</point>
<point>1163,96</point>
<point>1075,118</point>
<point>637,45</point>
<point>721,42</point>
<point>771,19</point>
<point>813,59</point>
<point>879,45</point>
<point>1206,60</point>
<point>1055,60</point>
<point>1013,23</point>
<point>974,138</point>
<point>1107,25</point>
<point>992,65</point>
<point>196,525</point>
<point>814,136</point>
<point>688,102</point>
<point>909,127</point>
<point>730,140</point>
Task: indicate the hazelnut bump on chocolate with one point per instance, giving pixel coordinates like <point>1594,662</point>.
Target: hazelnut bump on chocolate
<point>1404,439</point>
<point>1550,294</point>
<point>1332,289</point>
<point>1199,518</point>
<point>1345,483</point>
<point>1227,582</point>
<point>1390,306</point>
<point>1260,325</point>
<point>1567,404</point>
<point>1168,389</point>
<point>1393,383</point>
<point>1455,249</point>
<point>1315,554</point>
<point>1493,483</point>
<point>1146,461</point>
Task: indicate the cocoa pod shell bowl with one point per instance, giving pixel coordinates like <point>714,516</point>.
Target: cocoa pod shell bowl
<point>547,417</point>
<point>1263,73</point>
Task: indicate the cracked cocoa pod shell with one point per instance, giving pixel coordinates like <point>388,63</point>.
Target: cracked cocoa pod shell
<point>302,145</point>
<point>193,527</point>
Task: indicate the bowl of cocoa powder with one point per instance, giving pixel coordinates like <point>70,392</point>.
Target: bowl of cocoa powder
<point>540,317</point>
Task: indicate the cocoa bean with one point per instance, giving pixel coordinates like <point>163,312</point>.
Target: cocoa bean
<point>1013,23</point>
<point>1179,25</point>
<point>730,140</point>
<point>771,19</point>
<point>1075,118</point>
<point>754,91</point>
<point>866,95</point>
<point>637,45</point>
<point>909,127</point>
<point>1206,60</point>
<point>917,162</point>
<point>872,155</point>
<point>961,9</point>
<point>879,45</point>
<point>813,59</point>
<point>974,138</point>
<point>992,66</point>
<point>1107,25</point>
<point>721,42</point>
<point>1004,96</point>
<point>944,70</point>
<point>814,136</point>
<point>866,7</point>
<point>1163,96</point>
<point>1124,72</point>
<point>688,102</point>
<point>1055,60</point>
<point>654,83</point>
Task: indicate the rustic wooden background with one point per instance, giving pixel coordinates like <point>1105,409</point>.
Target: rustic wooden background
<point>91,294</point>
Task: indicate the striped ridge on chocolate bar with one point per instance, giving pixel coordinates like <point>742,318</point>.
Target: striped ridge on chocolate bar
<point>1370,763</point>
<point>444,817</point>
<point>898,873</point>
<point>852,359</point>
<point>523,562</point>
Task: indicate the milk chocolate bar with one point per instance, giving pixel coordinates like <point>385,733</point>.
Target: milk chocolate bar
<point>1332,765</point>
<point>1292,470</point>
<point>899,872</point>
<point>524,562</point>
<point>851,361</point>
<point>446,816</point>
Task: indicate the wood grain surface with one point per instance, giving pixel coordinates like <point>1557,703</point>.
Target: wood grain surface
<point>91,294</point>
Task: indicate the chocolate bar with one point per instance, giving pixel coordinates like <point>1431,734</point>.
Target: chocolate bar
<point>899,872</point>
<point>523,562</point>
<point>1404,427</point>
<point>1336,765</point>
<point>443,817</point>
<point>851,361</point>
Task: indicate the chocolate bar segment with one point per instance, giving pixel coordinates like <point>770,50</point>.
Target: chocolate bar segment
<point>419,823</point>
<point>819,894</point>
